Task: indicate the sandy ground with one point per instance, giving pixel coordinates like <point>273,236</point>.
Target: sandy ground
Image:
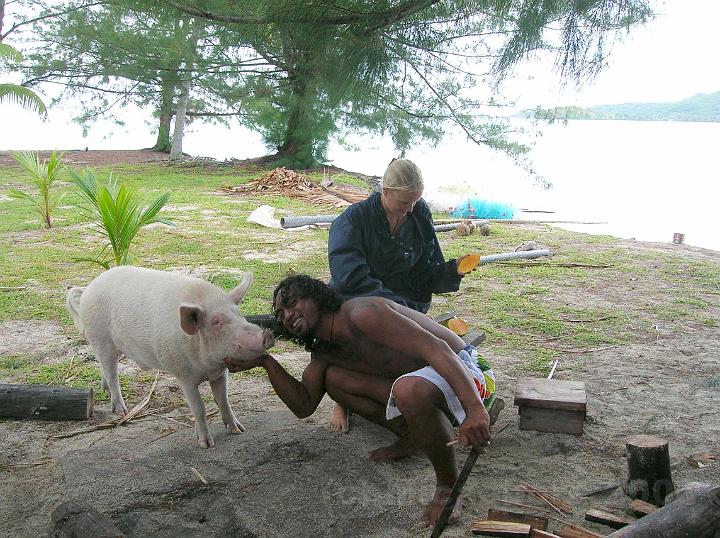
<point>290,477</point>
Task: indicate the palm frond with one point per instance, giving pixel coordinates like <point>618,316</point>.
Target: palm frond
<point>25,97</point>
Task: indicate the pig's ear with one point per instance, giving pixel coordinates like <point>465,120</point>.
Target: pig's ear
<point>191,318</point>
<point>238,293</point>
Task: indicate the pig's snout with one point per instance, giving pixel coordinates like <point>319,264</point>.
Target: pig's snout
<point>268,340</point>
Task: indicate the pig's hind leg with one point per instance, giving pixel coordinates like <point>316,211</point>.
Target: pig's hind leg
<point>219,390</point>
<point>108,356</point>
<point>197,408</point>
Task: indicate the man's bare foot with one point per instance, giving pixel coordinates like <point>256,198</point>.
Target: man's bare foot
<point>340,419</point>
<point>402,448</point>
<point>434,509</point>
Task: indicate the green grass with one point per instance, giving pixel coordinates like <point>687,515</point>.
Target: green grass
<point>28,370</point>
<point>530,312</point>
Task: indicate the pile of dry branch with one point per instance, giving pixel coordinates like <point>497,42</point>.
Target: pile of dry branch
<point>284,182</point>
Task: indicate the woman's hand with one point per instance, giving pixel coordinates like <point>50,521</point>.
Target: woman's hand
<point>470,263</point>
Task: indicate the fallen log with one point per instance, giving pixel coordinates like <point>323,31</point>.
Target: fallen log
<point>45,402</point>
<point>692,511</point>
<point>76,519</point>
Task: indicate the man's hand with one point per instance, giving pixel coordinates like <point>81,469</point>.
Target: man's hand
<point>475,430</point>
<point>240,365</point>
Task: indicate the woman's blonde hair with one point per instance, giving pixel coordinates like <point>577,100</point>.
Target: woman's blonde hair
<point>404,175</point>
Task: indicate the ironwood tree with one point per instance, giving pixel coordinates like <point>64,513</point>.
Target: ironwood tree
<point>304,73</point>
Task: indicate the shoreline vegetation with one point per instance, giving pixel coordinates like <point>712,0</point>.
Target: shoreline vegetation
<point>703,107</point>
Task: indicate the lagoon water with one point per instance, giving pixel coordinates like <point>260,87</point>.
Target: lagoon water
<point>646,180</point>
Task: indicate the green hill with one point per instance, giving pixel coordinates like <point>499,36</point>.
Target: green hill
<point>700,107</point>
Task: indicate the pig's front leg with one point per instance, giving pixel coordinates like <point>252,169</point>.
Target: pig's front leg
<point>197,407</point>
<point>219,390</point>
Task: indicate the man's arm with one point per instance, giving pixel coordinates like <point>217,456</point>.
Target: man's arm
<point>301,397</point>
<point>373,321</point>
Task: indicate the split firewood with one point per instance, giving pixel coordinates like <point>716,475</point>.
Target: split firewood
<point>641,508</point>
<point>535,522</point>
<point>558,505</point>
<point>611,520</point>
<point>537,533</point>
<point>500,528</point>
<point>573,531</point>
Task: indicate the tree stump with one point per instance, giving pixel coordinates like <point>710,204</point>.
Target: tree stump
<point>692,511</point>
<point>649,476</point>
<point>76,519</point>
<point>46,402</point>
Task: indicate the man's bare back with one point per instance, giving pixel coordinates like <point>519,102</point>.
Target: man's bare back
<point>353,349</point>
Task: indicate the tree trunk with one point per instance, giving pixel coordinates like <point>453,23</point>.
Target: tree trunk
<point>176,149</point>
<point>162,143</point>
<point>301,131</point>
<point>195,28</point>
<point>2,16</point>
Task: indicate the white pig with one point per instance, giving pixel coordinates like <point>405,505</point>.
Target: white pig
<point>167,321</point>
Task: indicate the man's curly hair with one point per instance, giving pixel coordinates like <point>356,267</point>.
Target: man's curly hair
<point>303,287</point>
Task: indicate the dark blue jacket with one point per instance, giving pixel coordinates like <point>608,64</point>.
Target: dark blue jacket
<point>366,261</point>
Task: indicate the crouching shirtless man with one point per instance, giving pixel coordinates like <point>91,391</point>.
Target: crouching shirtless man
<point>390,364</point>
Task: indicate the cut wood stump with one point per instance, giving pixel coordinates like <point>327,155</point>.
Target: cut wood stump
<point>551,405</point>
<point>77,519</point>
<point>692,511</point>
<point>46,402</point>
<point>535,522</point>
<point>500,528</point>
<point>649,476</point>
<point>616,521</point>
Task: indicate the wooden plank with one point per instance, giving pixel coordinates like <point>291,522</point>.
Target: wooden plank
<point>611,520</point>
<point>550,394</point>
<point>535,522</point>
<point>551,420</point>
<point>641,508</point>
<point>537,533</point>
<point>573,531</point>
<point>500,528</point>
<point>474,337</point>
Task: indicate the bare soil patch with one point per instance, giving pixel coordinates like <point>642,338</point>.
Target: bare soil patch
<point>97,157</point>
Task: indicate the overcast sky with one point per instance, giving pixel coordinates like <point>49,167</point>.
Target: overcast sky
<point>673,57</point>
